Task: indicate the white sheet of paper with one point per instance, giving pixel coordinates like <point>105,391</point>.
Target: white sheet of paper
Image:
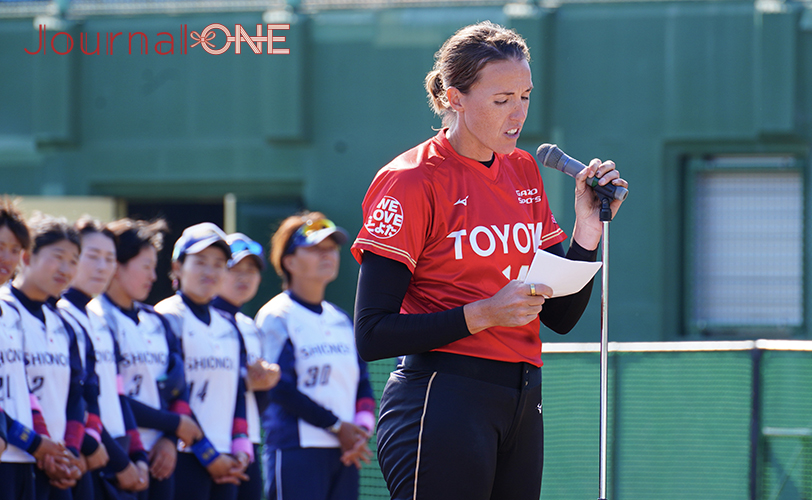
<point>564,276</point>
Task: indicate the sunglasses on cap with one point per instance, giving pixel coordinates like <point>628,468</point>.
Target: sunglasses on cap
<point>314,232</point>
<point>252,247</point>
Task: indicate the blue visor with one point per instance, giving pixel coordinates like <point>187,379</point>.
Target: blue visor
<point>241,247</point>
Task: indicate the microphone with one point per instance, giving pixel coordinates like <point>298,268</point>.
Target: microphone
<point>551,156</point>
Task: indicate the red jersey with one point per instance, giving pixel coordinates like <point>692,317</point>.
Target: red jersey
<point>464,230</point>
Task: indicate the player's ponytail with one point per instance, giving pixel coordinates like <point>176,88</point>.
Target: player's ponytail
<point>436,92</point>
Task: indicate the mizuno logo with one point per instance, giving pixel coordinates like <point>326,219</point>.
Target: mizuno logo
<point>462,201</point>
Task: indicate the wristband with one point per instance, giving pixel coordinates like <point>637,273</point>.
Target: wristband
<point>242,444</point>
<point>205,452</point>
<point>74,433</point>
<point>34,403</point>
<point>365,404</point>
<point>21,436</point>
<point>93,422</point>
<point>39,424</point>
<point>95,435</point>
<point>239,428</point>
<point>36,415</point>
<point>180,407</point>
<point>136,445</point>
<point>365,419</point>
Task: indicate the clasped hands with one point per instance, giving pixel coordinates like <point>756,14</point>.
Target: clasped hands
<point>262,376</point>
<point>354,447</point>
<point>225,468</point>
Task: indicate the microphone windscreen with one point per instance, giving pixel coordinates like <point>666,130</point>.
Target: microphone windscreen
<point>546,154</point>
<point>551,156</point>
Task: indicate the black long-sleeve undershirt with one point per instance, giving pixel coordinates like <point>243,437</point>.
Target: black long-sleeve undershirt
<point>382,332</point>
<point>561,314</point>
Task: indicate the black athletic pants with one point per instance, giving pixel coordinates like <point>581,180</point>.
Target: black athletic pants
<point>193,482</point>
<point>252,489</point>
<point>455,426</point>
<point>17,481</point>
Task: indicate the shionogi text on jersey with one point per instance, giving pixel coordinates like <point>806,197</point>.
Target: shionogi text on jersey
<point>324,348</point>
<point>208,363</point>
<point>106,356</point>
<point>46,358</point>
<point>144,358</point>
<point>11,356</point>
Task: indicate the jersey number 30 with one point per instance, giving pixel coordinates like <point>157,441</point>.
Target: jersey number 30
<point>317,376</point>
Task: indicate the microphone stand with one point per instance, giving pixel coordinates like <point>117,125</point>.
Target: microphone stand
<point>606,218</point>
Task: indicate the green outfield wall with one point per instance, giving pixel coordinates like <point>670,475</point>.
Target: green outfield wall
<point>657,86</point>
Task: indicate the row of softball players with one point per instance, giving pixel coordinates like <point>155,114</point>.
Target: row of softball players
<point>148,379</point>
<point>315,403</point>
<point>98,384</point>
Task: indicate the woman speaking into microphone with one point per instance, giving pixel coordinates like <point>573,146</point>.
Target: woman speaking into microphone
<point>449,225</point>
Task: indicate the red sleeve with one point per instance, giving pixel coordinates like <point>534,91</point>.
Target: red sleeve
<point>397,210</point>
